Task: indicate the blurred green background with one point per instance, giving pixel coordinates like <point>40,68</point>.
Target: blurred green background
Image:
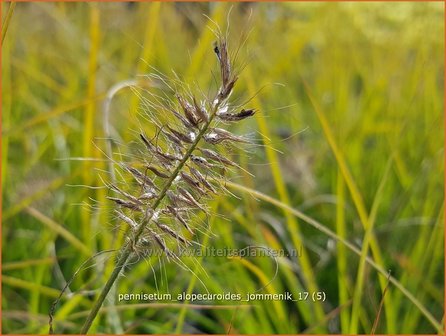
<point>364,156</point>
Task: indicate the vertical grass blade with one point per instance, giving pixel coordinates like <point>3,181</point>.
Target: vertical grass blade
<point>324,229</point>
<point>292,223</point>
<point>341,257</point>
<point>5,24</point>
<point>359,205</point>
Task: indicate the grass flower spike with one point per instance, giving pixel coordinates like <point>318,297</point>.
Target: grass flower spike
<point>172,181</point>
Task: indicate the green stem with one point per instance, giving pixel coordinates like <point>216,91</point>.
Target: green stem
<point>127,249</point>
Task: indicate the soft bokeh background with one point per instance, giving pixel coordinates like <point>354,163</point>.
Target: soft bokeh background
<point>366,152</point>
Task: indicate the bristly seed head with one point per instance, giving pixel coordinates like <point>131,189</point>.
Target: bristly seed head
<point>176,180</point>
<point>155,204</point>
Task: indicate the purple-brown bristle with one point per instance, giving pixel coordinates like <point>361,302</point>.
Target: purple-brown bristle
<point>157,172</point>
<point>182,136</point>
<point>201,111</point>
<point>188,110</point>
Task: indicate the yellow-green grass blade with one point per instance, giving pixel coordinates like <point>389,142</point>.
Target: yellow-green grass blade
<point>266,282</point>
<point>26,201</point>
<point>58,229</point>
<point>17,265</point>
<point>357,295</point>
<point>432,260</point>
<point>31,286</point>
<point>90,116</point>
<point>39,274</point>
<point>145,306</point>
<point>294,285</point>
<point>90,112</point>
<point>6,105</point>
<point>35,74</point>
<point>260,235</point>
<point>238,217</point>
<point>206,38</point>
<point>421,250</point>
<point>324,229</point>
<point>18,130</point>
<point>148,46</point>
<point>199,260</point>
<point>341,257</point>
<point>5,24</point>
<point>359,205</point>
<point>292,223</point>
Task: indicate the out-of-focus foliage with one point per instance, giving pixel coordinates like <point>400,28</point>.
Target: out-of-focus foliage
<point>373,157</point>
